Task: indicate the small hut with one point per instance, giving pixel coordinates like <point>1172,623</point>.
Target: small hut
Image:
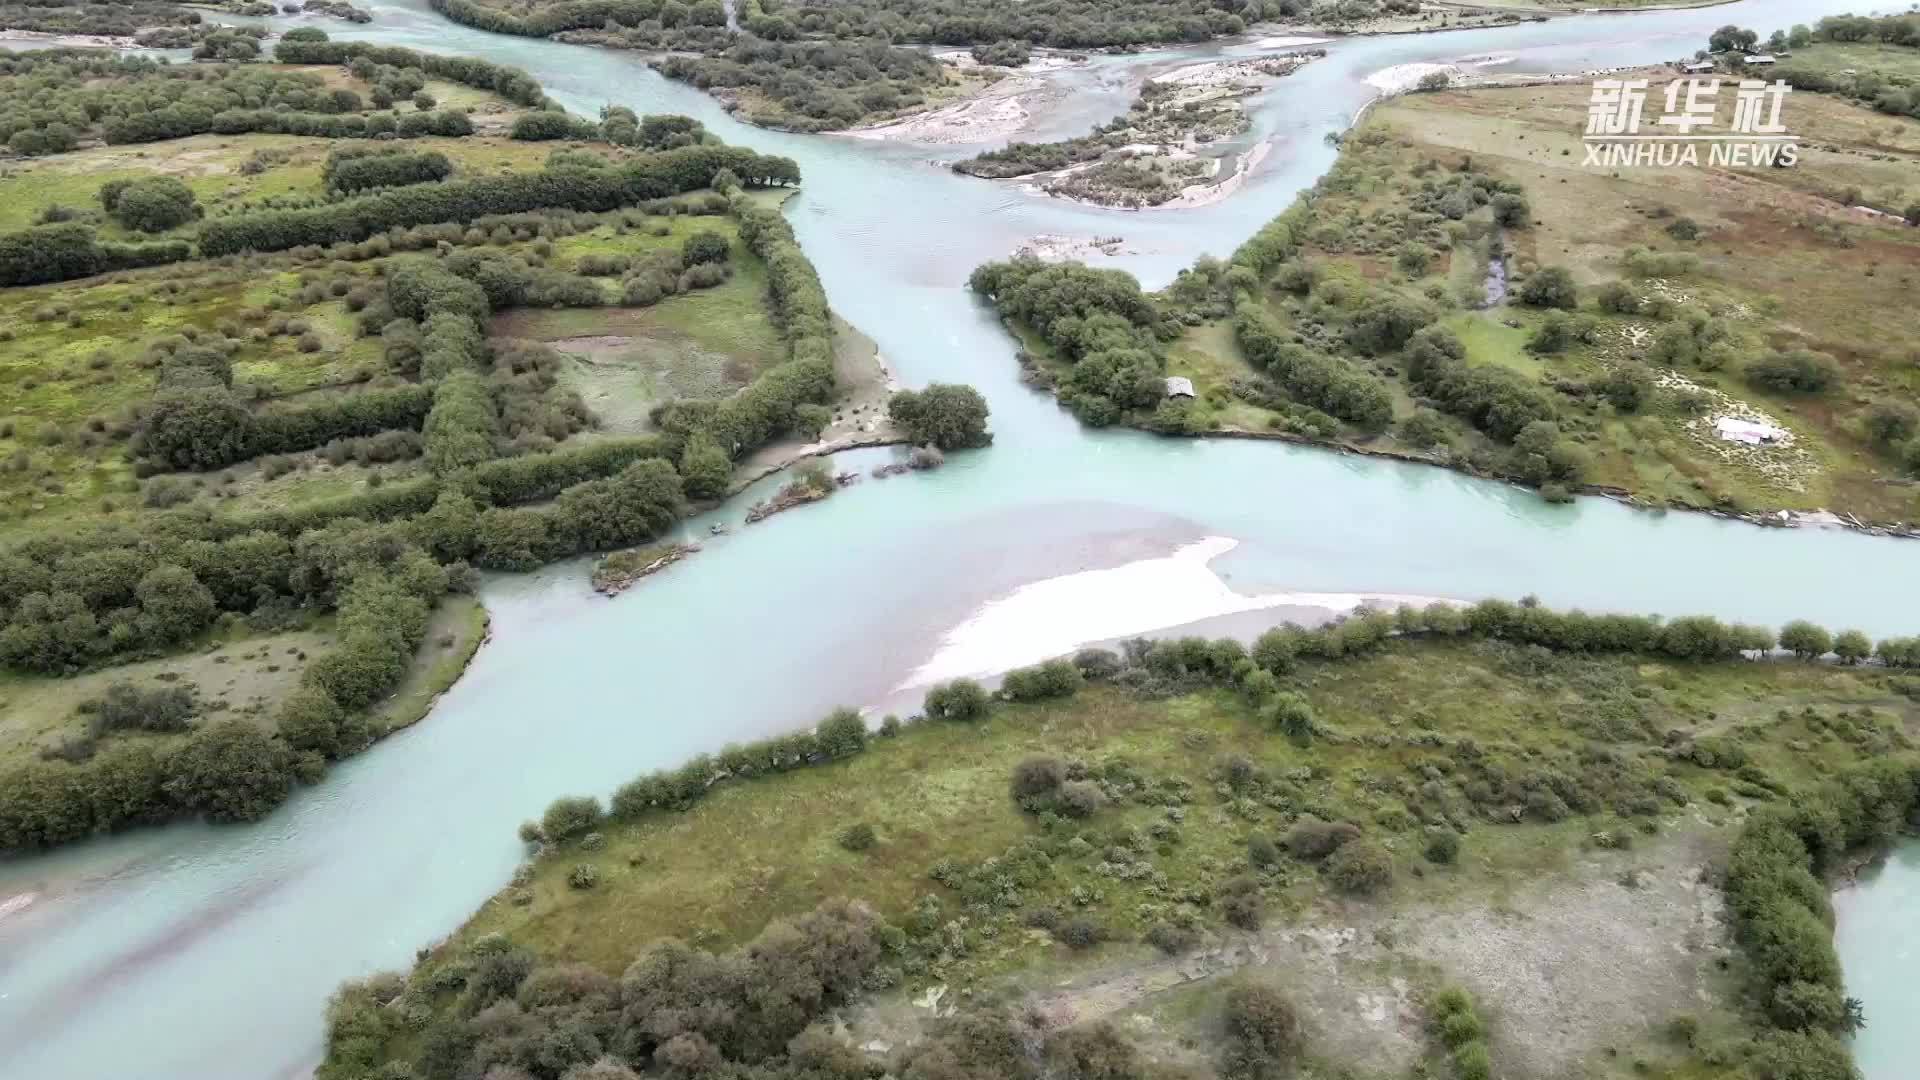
<point>1179,387</point>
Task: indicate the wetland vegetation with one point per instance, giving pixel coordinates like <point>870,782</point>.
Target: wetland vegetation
<point>942,896</point>
<point>278,428</point>
<point>1650,309</point>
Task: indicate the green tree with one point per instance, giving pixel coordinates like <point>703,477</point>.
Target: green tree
<point>152,205</point>
<point>1805,640</point>
<point>704,467</point>
<point>947,415</point>
<point>1550,287</point>
<point>961,699</point>
<point>1852,646</point>
<point>231,772</point>
<point>174,606</point>
<point>704,247</point>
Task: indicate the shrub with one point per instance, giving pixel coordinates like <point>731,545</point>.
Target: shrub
<point>1262,852</point>
<point>704,247</point>
<point>571,816</point>
<point>1080,799</point>
<point>1443,846</point>
<point>152,205</point>
<point>583,876</point>
<point>1797,371</point>
<point>1052,679</point>
<point>856,837</point>
<point>961,700</point>
<point>1361,867</point>
<point>1240,902</point>
<point>1263,1036</point>
<point>1550,287</point>
<point>1080,932</point>
<point>1312,839</point>
<point>1037,778</point>
<point>842,734</point>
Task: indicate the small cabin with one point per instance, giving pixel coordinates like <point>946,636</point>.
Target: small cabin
<point>1698,67</point>
<point>1760,60</point>
<point>1179,387</point>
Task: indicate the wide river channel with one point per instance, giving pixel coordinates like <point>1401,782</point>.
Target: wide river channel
<point>206,953</point>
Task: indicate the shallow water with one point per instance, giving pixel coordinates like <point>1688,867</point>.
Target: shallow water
<point>207,952</point>
<point>1878,934</point>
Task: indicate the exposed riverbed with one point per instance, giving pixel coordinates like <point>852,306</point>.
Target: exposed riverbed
<point>208,952</point>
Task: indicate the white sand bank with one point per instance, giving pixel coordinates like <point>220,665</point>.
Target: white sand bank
<point>1286,42</point>
<point>16,903</point>
<point>1401,78</point>
<point>1058,615</point>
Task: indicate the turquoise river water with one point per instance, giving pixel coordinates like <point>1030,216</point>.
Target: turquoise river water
<point>199,952</point>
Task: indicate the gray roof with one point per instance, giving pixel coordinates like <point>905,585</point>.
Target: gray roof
<point>1178,386</point>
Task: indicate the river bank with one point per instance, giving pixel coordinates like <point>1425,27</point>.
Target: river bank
<point>1615,898</point>
<point>139,938</point>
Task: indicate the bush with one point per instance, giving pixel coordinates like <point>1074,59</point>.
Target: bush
<point>704,247</point>
<point>1443,846</point>
<point>1240,902</point>
<point>1080,799</point>
<point>1080,932</point>
<point>948,416</point>
<point>1312,839</point>
<point>1361,867</point>
<point>842,734</point>
<point>1796,371</point>
<point>857,837</point>
<point>1052,679</point>
<point>1550,287</point>
<point>583,876</point>
<point>1037,778</point>
<point>1263,1036</point>
<point>152,205</point>
<point>571,816</point>
<point>960,700</point>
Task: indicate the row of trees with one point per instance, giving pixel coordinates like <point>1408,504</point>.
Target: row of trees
<point>1777,893</point>
<point>208,427</point>
<point>353,169</point>
<point>235,770</point>
<point>68,251</point>
<point>653,176</point>
<point>307,45</point>
<point>758,1010</point>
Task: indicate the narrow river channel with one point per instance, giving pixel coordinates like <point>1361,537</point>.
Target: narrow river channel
<point>198,952</point>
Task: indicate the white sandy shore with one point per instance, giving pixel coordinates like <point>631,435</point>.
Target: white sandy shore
<point>979,119</point>
<point>1058,615</point>
<point>1286,42</point>
<point>68,41</point>
<point>1404,77</point>
<point>16,903</point>
<point>1207,194</point>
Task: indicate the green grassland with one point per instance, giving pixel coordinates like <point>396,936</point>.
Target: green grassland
<point>952,843</point>
<point>1780,262</point>
<point>73,370</point>
<point>233,672</point>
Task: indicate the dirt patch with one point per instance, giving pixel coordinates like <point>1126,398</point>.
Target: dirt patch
<point>622,378</point>
<point>1563,968</point>
<point>859,415</point>
<point>241,678</point>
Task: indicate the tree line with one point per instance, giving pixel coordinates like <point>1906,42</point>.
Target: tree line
<point>652,176</point>
<point>1772,882</point>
